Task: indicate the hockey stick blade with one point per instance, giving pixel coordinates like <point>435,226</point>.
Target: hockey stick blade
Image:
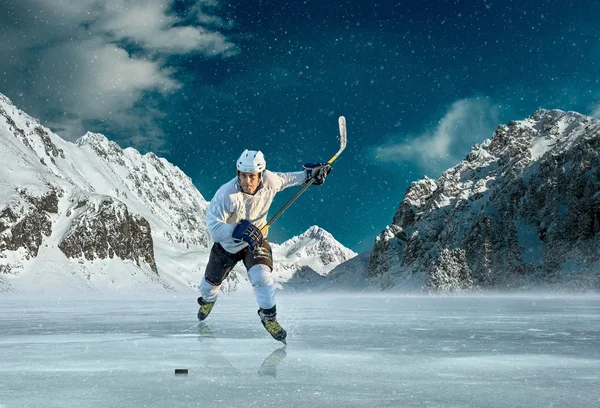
<point>342,124</point>
<point>343,137</point>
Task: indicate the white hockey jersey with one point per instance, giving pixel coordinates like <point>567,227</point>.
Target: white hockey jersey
<point>231,205</point>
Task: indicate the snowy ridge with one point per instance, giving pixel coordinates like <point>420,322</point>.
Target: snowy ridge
<point>349,276</point>
<point>90,216</point>
<point>521,210</point>
<point>315,252</point>
<point>80,208</point>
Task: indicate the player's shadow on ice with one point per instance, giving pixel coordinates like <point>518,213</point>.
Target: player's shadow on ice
<point>268,368</point>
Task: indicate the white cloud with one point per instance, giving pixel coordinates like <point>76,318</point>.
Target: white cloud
<point>149,24</point>
<point>467,121</point>
<point>68,59</point>
<point>595,111</point>
<point>98,78</point>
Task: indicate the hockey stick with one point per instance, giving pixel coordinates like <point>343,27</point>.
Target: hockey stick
<point>342,126</point>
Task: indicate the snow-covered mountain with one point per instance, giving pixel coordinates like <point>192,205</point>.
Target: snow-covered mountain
<point>522,210</point>
<point>92,216</point>
<point>349,276</point>
<point>308,258</point>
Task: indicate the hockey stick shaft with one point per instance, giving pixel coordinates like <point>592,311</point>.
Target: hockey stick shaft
<point>342,128</point>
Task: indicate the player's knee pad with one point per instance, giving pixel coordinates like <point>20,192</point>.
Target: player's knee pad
<point>208,291</point>
<point>260,276</point>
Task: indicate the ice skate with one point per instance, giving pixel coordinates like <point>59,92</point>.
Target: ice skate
<point>269,321</point>
<point>205,308</point>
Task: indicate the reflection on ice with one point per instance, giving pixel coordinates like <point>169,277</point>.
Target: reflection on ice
<point>267,368</point>
<point>269,365</point>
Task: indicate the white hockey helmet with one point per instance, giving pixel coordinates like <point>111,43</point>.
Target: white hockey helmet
<point>251,161</point>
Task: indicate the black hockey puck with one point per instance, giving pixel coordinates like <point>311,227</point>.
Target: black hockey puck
<point>181,371</point>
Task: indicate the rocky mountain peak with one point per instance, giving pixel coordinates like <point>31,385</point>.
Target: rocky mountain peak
<point>4,98</point>
<point>315,249</point>
<point>313,241</point>
<point>103,147</point>
<point>316,232</point>
<point>522,206</point>
<point>91,202</point>
<point>92,138</point>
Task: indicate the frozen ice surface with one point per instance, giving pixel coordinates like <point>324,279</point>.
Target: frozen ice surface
<point>343,351</point>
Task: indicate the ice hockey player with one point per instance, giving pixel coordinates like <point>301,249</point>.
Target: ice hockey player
<point>234,219</point>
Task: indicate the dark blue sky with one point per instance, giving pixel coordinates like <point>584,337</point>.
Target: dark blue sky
<point>419,83</point>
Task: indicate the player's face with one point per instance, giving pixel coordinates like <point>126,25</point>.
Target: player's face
<point>249,182</point>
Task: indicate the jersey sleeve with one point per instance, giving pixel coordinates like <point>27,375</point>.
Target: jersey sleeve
<point>289,179</point>
<point>219,210</point>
